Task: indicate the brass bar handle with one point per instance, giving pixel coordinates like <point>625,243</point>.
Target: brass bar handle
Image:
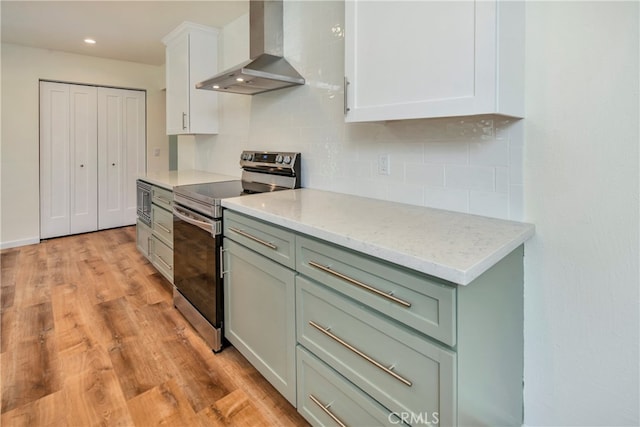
<point>359,284</point>
<point>360,353</point>
<point>254,238</point>
<point>325,409</point>
<point>165,229</point>
<point>164,262</point>
<point>164,200</point>
<point>184,124</point>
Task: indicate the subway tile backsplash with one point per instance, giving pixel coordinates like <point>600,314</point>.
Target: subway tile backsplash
<point>468,164</point>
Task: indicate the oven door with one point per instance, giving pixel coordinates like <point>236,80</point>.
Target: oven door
<point>197,242</point>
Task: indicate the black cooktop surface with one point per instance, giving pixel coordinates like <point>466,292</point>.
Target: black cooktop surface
<point>210,192</point>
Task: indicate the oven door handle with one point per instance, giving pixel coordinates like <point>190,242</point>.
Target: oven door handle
<point>200,224</point>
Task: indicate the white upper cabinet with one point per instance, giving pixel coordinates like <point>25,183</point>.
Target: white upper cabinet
<point>421,59</point>
<point>191,57</point>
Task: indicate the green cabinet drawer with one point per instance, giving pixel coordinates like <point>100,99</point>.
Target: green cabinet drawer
<point>271,241</point>
<point>162,197</point>
<point>325,398</point>
<point>404,371</point>
<point>420,302</point>
<point>143,238</point>
<point>162,258</point>
<point>259,314</point>
<point>162,224</point>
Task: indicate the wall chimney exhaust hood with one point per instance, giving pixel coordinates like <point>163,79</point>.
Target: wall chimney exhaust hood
<point>267,69</point>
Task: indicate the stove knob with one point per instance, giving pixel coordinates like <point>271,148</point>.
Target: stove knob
<point>287,159</point>
<point>279,158</point>
<point>243,156</point>
<point>250,157</point>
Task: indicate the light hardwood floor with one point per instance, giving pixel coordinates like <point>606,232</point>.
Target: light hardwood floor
<point>89,336</point>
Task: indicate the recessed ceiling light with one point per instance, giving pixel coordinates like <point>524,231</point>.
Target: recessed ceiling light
<point>239,79</point>
<point>89,41</point>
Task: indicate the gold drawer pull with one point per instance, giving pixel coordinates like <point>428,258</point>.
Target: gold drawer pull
<point>163,262</point>
<point>361,354</point>
<point>326,410</point>
<point>254,238</point>
<point>165,229</point>
<point>360,284</point>
<point>164,200</point>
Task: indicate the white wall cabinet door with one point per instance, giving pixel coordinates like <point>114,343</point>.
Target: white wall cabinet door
<point>68,159</point>
<point>191,57</point>
<point>92,149</point>
<point>121,154</point>
<point>421,59</point>
<point>177,82</point>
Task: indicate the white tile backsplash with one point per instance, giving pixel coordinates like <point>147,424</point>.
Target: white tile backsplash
<point>469,177</point>
<point>468,164</point>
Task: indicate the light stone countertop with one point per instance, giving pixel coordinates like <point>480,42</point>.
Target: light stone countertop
<point>453,246</point>
<point>170,179</point>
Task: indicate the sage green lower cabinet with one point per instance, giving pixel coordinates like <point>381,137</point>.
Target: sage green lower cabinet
<point>161,257</point>
<point>325,398</point>
<point>423,303</point>
<point>143,238</point>
<point>405,372</point>
<point>156,241</point>
<point>259,316</point>
<point>364,342</point>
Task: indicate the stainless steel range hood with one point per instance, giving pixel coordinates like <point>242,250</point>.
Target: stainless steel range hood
<point>267,69</point>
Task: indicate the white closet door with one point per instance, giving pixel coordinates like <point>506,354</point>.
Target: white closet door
<point>68,185</point>
<point>121,154</point>
<point>84,159</point>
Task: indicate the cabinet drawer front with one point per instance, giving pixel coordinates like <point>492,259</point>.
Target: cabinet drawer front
<point>162,197</point>
<point>268,240</point>
<point>325,398</point>
<point>162,258</point>
<point>162,224</point>
<point>402,370</point>
<point>143,238</point>
<point>415,299</point>
<point>259,314</point>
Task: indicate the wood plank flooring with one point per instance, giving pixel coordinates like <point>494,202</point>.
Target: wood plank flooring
<point>90,337</point>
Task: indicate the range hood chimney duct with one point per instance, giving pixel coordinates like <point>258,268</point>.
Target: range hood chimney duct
<point>267,69</point>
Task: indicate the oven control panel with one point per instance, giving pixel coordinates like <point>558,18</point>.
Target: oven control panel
<point>270,161</point>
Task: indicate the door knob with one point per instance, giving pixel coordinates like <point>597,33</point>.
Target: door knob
<point>81,166</point>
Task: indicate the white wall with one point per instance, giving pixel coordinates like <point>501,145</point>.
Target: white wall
<point>22,68</point>
<point>465,164</point>
<point>581,182</point>
<point>581,191</point>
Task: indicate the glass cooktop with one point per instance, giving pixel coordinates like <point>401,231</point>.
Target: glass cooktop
<point>211,192</point>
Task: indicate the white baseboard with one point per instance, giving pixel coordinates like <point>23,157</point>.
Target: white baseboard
<point>16,243</point>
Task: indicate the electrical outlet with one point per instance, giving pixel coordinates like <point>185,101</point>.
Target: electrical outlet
<point>384,165</point>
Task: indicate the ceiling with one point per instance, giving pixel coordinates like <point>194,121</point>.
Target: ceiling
<point>124,30</point>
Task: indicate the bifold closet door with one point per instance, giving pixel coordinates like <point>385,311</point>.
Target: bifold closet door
<point>121,154</point>
<point>68,159</point>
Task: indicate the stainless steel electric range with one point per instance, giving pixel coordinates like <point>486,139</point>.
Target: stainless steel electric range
<point>197,245</point>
